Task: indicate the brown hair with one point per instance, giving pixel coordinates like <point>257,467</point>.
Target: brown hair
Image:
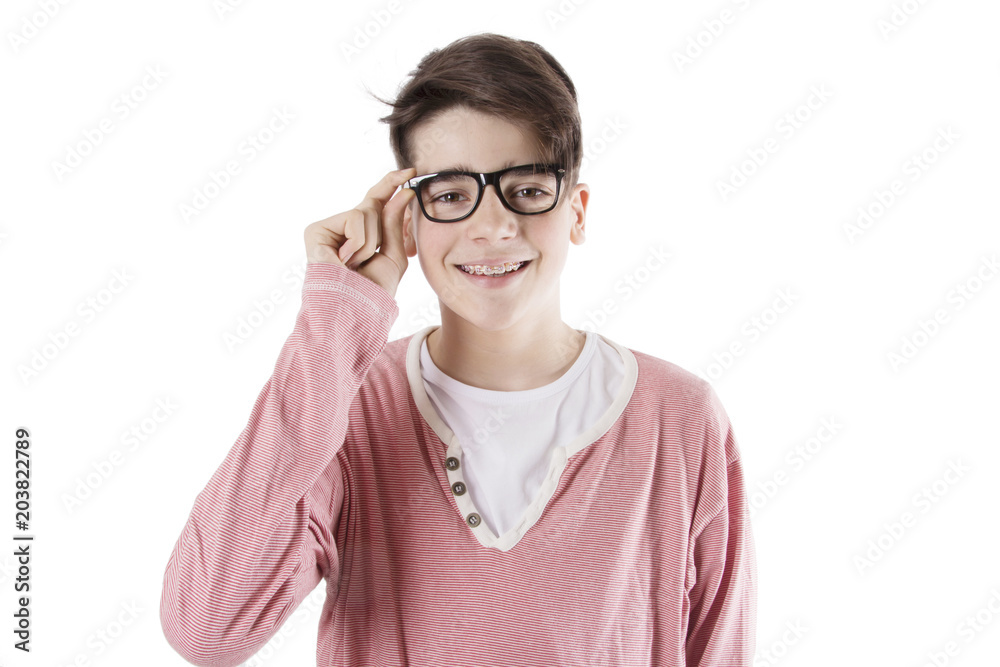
<point>512,79</point>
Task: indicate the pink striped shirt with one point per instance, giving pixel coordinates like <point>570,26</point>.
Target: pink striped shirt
<point>642,555</point>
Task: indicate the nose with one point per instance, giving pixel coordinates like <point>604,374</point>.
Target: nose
<point>492,220</point>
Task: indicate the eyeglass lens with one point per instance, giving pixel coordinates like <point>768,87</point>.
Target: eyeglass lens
<point>452,196</point>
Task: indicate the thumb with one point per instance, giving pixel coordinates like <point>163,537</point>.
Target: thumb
<point>392,227</point>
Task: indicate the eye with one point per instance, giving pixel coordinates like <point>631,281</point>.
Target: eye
<point>529,192</point>
<point>448,198</point>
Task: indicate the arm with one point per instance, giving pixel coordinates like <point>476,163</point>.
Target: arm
<point>258,539</point>
<point>722,621</point>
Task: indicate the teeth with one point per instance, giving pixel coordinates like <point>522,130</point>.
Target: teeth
<point>499,270</point>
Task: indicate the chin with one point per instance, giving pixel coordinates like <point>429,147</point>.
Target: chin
<point>483,318</point>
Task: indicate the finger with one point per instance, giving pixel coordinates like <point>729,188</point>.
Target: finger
<point>322,239</point>
<point>382,191</point>
<point>373,206</point>
<point>372,236</point>
<point>392,216</point>
<point>354,231</point>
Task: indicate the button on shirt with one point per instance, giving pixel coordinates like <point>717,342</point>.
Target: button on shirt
<point>508,437</point>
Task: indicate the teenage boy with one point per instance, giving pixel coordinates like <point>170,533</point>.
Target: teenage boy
<point>501,489</point>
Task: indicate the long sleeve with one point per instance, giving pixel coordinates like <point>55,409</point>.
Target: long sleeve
<point>722,622</point>
<point>259,537</point>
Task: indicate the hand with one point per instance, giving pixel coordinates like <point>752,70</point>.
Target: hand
<point>367,239</point>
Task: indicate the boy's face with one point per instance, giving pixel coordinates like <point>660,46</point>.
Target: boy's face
<point>461,138</point>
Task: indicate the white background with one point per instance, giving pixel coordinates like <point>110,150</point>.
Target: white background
<point>661,135</point>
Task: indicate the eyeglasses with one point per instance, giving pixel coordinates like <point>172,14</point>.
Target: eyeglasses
<point>450,196</point>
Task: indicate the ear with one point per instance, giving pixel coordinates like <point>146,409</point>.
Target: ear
<point>578,213</point>
<point>409,241</point>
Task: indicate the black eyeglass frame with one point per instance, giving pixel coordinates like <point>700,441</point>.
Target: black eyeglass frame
<point>484,179</point>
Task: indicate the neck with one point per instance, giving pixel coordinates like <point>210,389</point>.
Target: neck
<point>520,357</point>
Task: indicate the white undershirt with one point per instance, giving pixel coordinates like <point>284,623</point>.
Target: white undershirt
<point>507,437</point>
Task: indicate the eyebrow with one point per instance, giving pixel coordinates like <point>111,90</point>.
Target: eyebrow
<point>462,167</point>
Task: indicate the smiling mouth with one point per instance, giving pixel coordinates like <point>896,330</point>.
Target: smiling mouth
<point>498,270</point>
